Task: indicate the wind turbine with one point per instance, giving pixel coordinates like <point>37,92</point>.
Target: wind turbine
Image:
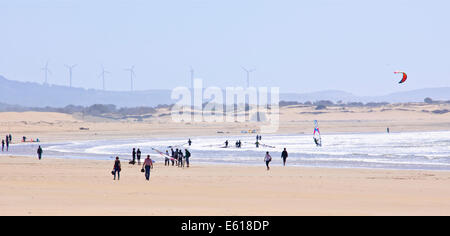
<point>131,70</point>
<point>46,70</point>
<point>103,76</point>
<point>248,75</point>
<point>70,72</point>
<point>192,77</point>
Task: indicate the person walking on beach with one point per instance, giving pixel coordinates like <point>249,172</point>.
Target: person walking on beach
<point>39,152</point>
<point>226,144</point>
<point>267,159</point>
<point>138,154</point>
<point>284,156</point>
<point>190,142</point>
<point>148,164</point>
<point>3,145</point>
<point>117,168</point>
<point>10,138</point>
<point>187,156</point>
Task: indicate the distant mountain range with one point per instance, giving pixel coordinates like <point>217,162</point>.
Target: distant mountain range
<point>38,95</point>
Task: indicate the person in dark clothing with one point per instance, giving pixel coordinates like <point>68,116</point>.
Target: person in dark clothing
<point>226,144</point>
<point>117,168</point>
<point>7,143</point>
<point>188,155</point>
<point>10,138</point>
<point>176,157</point>
<point>3,145</point>
<point>180,159</point>
<point>257,144</point>
<point>133,161</point>
<point>190,142</point>
<point>39,152</point>
<point>173,157</point>
<point>138,154</point>
<point>284,156</point>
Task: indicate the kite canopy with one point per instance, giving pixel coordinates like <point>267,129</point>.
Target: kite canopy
<point>404,78</point>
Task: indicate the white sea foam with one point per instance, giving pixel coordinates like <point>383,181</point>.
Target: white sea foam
<point>415,150</point>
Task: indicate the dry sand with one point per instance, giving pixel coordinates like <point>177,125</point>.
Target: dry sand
<point>83,187</point>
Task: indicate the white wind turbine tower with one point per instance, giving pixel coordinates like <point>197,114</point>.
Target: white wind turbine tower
<point>248,75</point>
<point>70,72</point>
<point>104,72</point>
<point>46,71</point>
<point>192,77</point>
<point>131,70</point>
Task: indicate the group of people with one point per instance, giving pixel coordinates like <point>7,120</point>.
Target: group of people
<point>268,158</point>
<point>6,143</point>
<point>177,157</point>
<point>146,167</point>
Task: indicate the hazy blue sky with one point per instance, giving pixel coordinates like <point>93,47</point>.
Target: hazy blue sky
<point>300,46</point>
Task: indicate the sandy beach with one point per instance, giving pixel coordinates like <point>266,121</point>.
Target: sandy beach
<point>55,186</point>
<point>84,187</point>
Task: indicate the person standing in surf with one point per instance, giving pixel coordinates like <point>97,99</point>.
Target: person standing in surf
<point>284,156</point>
<point>7,143</point>
<point>117,168</point>
<point>133,157</point>
<point>148,164</point>
<point>268,159</point>
<point>138,154</point>
<point>39,152</point>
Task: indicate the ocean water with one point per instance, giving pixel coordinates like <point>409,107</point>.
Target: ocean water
<point>413,150</point>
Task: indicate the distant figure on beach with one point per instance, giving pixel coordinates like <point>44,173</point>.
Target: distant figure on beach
<point>39,152</point>
<point>284,156</point>
<point>3,145</point>
<point>190,142</point>
<point>173,157</point>
<point>10,138</point>
<point>133,154</point>
<point>24,139</point>
<point>117,168</point>
<point>257,144</point>
<point>176,156</point>
<point>148,164</point>
<point>7,143</point>
<point>268,159</point>
<point>187,156</point>
<point>138,154</point>
<point>180,159</point>
<point>388,131</point>
<point>166,159</point>
<point>226,144</point>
